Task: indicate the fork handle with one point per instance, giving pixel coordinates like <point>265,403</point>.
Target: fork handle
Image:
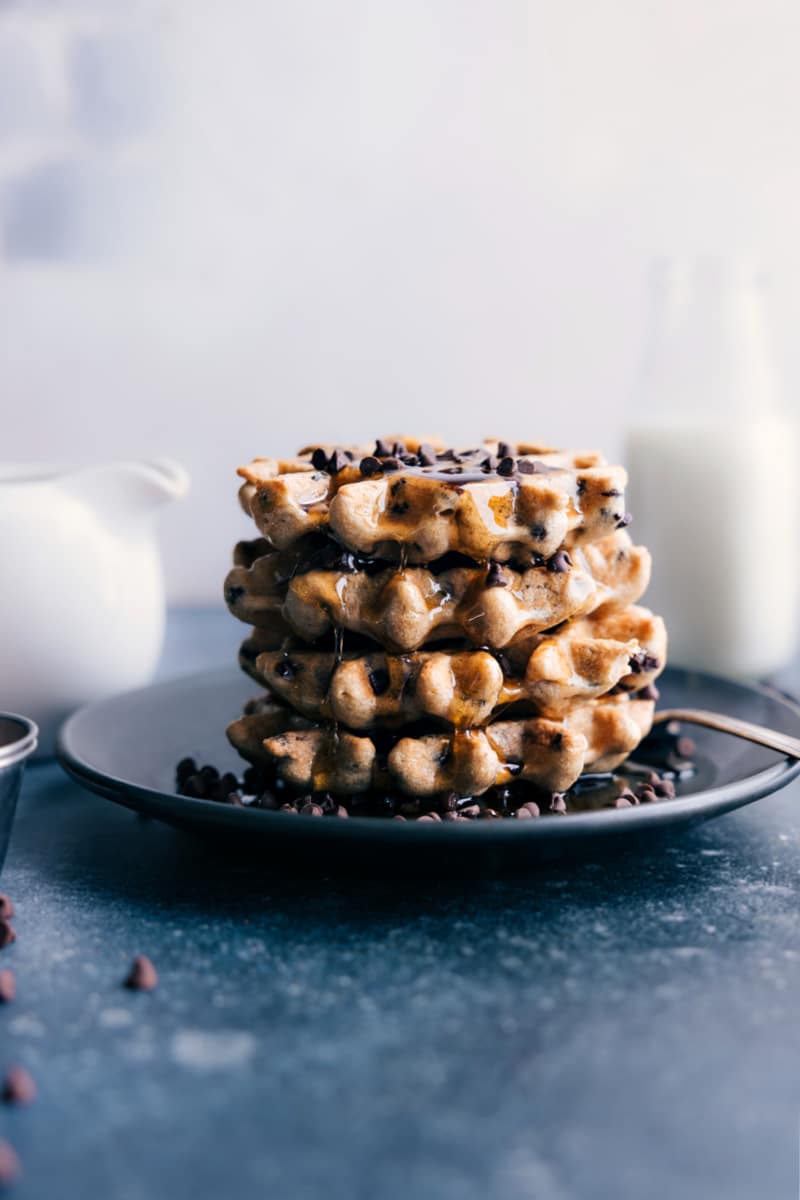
<point>784,743</point>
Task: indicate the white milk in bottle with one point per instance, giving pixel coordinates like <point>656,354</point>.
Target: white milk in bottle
<point>713,470</point>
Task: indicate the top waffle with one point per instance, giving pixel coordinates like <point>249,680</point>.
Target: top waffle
<point>409,501</point>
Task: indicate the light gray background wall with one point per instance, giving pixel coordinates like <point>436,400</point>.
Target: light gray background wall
<point>228,229</point>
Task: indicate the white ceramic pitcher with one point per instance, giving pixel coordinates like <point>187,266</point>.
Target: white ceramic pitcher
<point>82,603</point>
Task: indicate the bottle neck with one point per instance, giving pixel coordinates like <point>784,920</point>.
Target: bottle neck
<point>707,354</point>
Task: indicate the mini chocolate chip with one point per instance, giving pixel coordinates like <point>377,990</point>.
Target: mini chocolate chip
<point>6,906</point>
<point>556,740</point>
<point>427,455</point>
<point>10,1166</point>
<point>312,810</point>
<point>142,976</point>
<point>340,811</point>
<point>379,681</point>
<point>582,487</point>
<point>7,935</point>
<point>646,793</point>
<point>8,985</point>
<point>621,802</point>
<point>369,465</point>
<point>399,449</point>
<point>430,816</point>
<point>382,448</point>
<point>624,521</point>
<point>234,593</point>
<point>286,668</point>
<point>664,788</point>
<point>627,794</point>
<point>392,464</point>
<point>185,768</point>
<point>18,1086</point>
<point>526,467</point>
<point>399,507</point>
<point>195,787</point>
<point>505,450</point>
<point>650,692</point>
<point>338,461</point>
<point>527,811</point>
<point>506,466</point>
<point>538,532</point>
<point>319,459</point>
<point>560,563</point>
<point>641,662</point>
<point>409,460</point>
<point>446,455</point>
<point>610,492</point>
<point>489,463</point>
<point>496,576</point>
<point>558,803</point>
<point>253,780</point>
<point>209,773</point>
<point>471,811</point>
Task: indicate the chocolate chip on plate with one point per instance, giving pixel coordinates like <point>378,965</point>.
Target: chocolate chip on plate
<point>427,455</point>
<point>10,1166</point>
<point>185,769</point>
<point>8,985</point>
<point>506,466</point>
<point>319,459</point>
<point>142,976</point>
<point>527,811</point>
<point>338,461</point>
<point>382,449</point>
<point>18,1086</point>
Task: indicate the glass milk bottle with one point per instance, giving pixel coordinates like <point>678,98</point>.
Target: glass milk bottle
<point>713,467</point>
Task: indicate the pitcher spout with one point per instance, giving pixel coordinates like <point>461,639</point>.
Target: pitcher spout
<point>126,492</point>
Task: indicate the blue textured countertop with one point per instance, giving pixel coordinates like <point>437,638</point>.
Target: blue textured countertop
<point>624,1028</point>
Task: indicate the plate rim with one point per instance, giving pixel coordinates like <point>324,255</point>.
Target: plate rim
<point>596,823</point>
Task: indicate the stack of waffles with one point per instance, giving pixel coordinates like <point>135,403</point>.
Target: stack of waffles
<point>437,631</point>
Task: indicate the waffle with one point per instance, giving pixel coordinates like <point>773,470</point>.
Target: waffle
<point>425,621</point>
<point>585,659</point>
<point>404,609</point>
<point>420,506</point>
<point>262,718</point>
<point>549,754</point>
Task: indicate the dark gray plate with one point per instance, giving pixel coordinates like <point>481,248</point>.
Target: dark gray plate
<point>126,749</point>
